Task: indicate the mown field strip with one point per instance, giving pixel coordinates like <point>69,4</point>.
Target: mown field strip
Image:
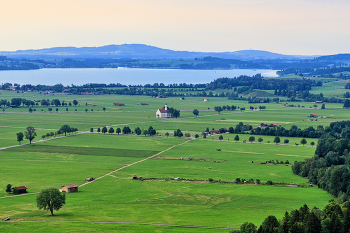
<point>139,223</point>
<point>110,173</point>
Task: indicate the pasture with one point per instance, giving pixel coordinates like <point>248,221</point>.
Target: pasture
<point>193,201</point>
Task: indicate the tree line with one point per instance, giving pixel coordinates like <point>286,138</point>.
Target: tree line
<point>17,102</point>
<point>329,169</point>
<point>333,218</point>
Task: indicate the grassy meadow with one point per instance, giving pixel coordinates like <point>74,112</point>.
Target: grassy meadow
<point>133,206</point>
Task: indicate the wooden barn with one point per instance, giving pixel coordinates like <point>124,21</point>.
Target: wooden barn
<point>70,188</point>
<point>22,189</point>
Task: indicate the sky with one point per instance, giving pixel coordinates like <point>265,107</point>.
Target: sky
<point>294,27</point>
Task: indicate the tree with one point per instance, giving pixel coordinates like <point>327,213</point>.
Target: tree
<point>218,109</point>
<point>67,109</point>
<point>56,109</point>
<point>43,136</point>
<point>75,102</point>
<point>20,137</point>
<point>286,141</point>
<point>50,199</point>
<point>236,138</point>
<point>126,130</point>
<point>8,188</point>
<point>104,129</point>
<point>196,136</point>
<point>145,132</point>
<point>138,131</point>
<point>277,140</point>
<point>176,113</point>
<point>98,130</point>
<point>30,134</point>
<point>111,130</point>
<point>231,130</point>
<point>221,137</point>
<point>251,139</point>
<point>65,129</point>
<point>167,134</point>
<point>270,225</point>
<point>195,112</point>
<point>104,109</point>
<point>91,130</point>
<point>30,110</point>
<point>86,110</point>
<point>248,228</point>
<point>303,141</point>
<point>323,106</point>
<point>50,109</point>
<point>312,143</point>
<point>118,131</point>
<point>260,139</point>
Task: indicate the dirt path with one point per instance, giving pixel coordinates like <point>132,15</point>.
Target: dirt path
<point>110,173</point>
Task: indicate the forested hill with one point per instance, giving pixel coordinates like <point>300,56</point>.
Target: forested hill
<point>142,52</point>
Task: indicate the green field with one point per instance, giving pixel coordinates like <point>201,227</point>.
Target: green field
<point>133,206</point>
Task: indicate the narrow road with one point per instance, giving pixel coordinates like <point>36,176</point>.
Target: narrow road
<point>110,173</point>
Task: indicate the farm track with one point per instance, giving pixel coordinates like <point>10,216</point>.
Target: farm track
<point>135,223</point>
<point>110,173</point>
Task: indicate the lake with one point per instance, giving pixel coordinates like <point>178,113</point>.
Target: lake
<point>126,76</point>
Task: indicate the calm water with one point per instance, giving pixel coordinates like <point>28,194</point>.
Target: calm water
<point>122,75</point>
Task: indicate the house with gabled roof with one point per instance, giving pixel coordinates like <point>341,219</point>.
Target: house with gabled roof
<point>163,112</point>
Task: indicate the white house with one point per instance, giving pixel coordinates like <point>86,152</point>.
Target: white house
<point>163,112</point>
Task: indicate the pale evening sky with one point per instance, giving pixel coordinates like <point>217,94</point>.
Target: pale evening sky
<point>303,27</point>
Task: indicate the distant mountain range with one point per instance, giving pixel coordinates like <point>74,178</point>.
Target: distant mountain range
<point>143,52</point>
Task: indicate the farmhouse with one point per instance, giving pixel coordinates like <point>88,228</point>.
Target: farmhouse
<point>319,102</point>
<point>163,112</point>
<point>118,104</point>
<point>205,100</point>
<point>144,103</point>
<point>88,104</point>
<point>70,188</point>
<point>182,98</point>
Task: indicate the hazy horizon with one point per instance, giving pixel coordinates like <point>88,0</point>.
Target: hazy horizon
<point>299,27</point>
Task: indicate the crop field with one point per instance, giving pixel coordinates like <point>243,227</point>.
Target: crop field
<point>116,203</point>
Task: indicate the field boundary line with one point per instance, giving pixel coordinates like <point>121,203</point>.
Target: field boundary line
<point>139,223</point>
<point>110,173</point>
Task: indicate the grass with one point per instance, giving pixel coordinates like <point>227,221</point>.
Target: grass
<point>68,160</point>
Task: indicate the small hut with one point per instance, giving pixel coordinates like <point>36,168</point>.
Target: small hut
<point>70,188</point>
<point>22,189</point>
<point>88,179</point>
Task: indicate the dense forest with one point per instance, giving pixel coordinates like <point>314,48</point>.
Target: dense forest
<point>333,218</point>
<point>329,168</point>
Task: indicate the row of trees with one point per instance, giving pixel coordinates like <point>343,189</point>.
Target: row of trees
<point>30,133</point>
<point>333,218</point>
<point>44,102</point>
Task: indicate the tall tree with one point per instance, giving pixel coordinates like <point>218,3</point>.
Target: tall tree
<point>118,131</point>
<point>20,136</point>
<point>111,130</point>
<point>50,199</point>
<point>104,129</point>
<point>30,134</point>
<point>277,140</point>
<point>303,141</point>
<point>176,113</point>
<point>195,112</point>
<point>65,129</point>
<point>251,139</point>
<point>236,138</point>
